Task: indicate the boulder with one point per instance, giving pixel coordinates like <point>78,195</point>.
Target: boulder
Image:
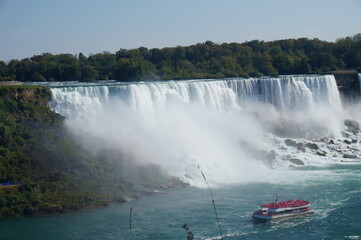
<point>296,161</point>
<point>331,142</point>
<point>347,141</point>
<point>321,153</point>
<point>347,155</point>
<point>312,146</point>
<point>291,143</point>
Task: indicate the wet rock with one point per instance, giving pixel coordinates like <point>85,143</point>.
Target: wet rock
<point>352,125</point>
<point>348,155</point>
<point>353,149</point>
<point>302,149</point>
<point>291,143</point>
<point>321,153</point>
<point>300,145</point>
<point>325,139</point>
<point>296,161</point>
<point>347,141</point>
<point>312,146</point>
<point>331,142</point>
<point>354,140</point>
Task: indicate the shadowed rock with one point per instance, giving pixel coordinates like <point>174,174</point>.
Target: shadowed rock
<point>296,161</point>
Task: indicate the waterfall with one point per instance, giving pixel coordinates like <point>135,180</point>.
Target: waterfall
<point>221,125</point>
<point>284,93</point>
<point>359,81</point>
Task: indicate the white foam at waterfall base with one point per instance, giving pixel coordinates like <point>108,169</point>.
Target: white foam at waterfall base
<point>177,136</point>
<point>218,125</point>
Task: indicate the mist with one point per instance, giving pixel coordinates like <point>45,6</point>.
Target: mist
<point>233,133</point>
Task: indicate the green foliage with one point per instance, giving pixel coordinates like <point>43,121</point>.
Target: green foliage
<point>54,173</point>
<point>203,60</point>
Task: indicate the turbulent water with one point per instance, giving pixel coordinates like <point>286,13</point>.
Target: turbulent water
<point>251,137</point>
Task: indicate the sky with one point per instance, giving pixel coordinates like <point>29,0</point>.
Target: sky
<point>34,27</point>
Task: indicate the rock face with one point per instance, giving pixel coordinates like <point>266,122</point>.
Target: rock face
<point>348,83</point>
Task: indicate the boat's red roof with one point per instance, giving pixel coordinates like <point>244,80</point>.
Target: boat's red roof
<point>286,204</point>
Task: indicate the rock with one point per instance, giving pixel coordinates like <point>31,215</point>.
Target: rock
<point>353,149</point>
<point>300,145</point>
<point>296,161</point>
<point>352,125</point>
<point>302,149</point>
<point>321,153</point>
<point>325,139</point>
<point>354,140</point>
<point>290,142</point>
<point>347,155</point>
<point>347,141</point>
<point>331,142</point>
<point>312,146</point>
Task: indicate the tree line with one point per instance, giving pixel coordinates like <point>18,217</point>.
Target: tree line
<point>203,60</point>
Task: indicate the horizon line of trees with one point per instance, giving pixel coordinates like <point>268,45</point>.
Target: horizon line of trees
<point>203,60</point>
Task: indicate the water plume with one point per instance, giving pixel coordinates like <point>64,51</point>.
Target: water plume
<point>217,124</point>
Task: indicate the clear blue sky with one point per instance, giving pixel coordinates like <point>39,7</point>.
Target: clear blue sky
<point>29,27</point>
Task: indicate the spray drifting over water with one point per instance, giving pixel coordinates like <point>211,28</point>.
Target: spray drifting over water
<point>223,126</point>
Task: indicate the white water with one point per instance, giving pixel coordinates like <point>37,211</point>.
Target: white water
<point>222,125</point>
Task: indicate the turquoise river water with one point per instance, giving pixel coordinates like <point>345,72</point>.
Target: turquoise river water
<point>334,190</point>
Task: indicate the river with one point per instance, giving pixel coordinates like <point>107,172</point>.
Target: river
<point>251,137</point>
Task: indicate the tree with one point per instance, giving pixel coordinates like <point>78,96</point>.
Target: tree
<point>3,70</point>
<point>88,73</point>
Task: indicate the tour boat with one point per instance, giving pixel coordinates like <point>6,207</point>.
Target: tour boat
<point>281,210</point>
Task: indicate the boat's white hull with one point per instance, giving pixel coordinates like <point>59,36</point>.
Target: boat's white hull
<point>281,215</point>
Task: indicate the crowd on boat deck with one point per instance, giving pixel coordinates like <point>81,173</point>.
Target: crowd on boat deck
<point>286,204</point>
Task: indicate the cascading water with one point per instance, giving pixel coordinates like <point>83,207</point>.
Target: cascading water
<point>214,123</point>
<point>286,93</point>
